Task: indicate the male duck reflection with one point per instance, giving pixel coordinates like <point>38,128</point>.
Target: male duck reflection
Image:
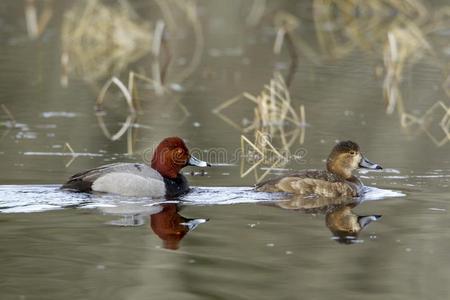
<point>163,178</point>
<point>171,227</point>
<point>165,220</point>
<point>336,181</point>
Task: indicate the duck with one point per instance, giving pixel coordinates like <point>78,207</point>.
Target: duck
<point>161,179</point>
<point>170,226</point>
<point>345,225</point>
<point>336,181</point>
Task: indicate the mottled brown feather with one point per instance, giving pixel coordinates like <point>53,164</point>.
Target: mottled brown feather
<point>322,183</point>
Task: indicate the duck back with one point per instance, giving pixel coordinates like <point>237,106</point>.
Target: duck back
<point>127,179</point>
<point>309,182</point>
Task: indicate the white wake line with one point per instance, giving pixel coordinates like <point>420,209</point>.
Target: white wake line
<point>39,198</point>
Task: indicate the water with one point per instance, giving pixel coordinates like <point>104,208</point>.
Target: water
<point>244,245</point>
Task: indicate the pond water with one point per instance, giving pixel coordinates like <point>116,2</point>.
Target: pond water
<point>376,73</point>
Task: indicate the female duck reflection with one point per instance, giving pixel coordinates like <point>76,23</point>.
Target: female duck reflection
<point>165,221</point>
<point>344,224</point>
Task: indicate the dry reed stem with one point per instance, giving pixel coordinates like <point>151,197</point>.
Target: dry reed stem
<point>272,113</point>
<point>9,114</point>
<point>130,93</point>
<point>100,39</point>
<point>31,19</point>
<point>226,104</point>
<point>36,25</point>
<point>444,124</point>
<point>129,121</point>
<point>400,27</point>
<point>189,9</point>
<point>404,45</point>
<point>264,148</point>
<point>246,141</point>
<point>303,120</point>
<point>130,141</point>
<point>256,12</point>
<point>123,89</point>
<point>156,47</point>
<point>342,26</point>
<point>286,24</point>
<point>129,100</point>
<point>74,155</point>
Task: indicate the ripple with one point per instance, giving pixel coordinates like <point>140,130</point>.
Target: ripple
<point>39,198</point>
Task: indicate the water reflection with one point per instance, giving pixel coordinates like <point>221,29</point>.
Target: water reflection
<point>171,227</point>
<point>164,220</point>
<point>346,225</point>
<point>340,219</point>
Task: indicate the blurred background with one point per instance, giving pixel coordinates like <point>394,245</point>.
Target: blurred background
<point>299,75</point>
<point>257,87</point>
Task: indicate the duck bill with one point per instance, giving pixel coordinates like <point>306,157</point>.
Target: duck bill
<point>193,223</point>
<point>193,161</point>
<point>367,164</point>
<point>366,220</point>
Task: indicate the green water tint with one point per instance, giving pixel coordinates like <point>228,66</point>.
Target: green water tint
<point>376,73</point>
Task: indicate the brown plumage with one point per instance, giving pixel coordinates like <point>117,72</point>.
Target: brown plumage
<point>336,181</point>
<point>346,225</point>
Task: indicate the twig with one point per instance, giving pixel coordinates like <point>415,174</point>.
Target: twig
<point>9,114</point>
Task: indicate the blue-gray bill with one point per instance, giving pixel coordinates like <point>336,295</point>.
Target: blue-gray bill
<point>366,220</point>
<point>193,223</point>
<point>193,161</point>
<point>367,164</point>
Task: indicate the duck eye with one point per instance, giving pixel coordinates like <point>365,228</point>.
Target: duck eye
<point>352,152</point>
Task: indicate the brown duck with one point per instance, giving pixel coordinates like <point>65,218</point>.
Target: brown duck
<point>346,225</point>
<point>336,181</point>
<point>340,219</point>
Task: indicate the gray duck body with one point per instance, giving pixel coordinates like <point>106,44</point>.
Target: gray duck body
<point>127,179</point>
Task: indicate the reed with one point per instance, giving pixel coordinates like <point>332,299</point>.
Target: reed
<point>256,12</point>
<point>37,23</point>
<point>9,115</point>
<point>182,15</point>
<point>273,116</point>
<point>130,92</point>
<point>101,39</point>
<point>401,31</point>
<point>72,153</point>
<point>436,123</point>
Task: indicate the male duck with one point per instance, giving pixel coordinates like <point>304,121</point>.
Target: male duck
<point>336,181</point>
<point>163,178</point>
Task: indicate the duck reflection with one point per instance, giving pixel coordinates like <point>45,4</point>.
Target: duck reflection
<point>164,220</point>
<point>344,224</point>
<point>171,227</point>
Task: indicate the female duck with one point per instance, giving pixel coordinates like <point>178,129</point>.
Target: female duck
<point>163,178</point>
<point>336,181</point>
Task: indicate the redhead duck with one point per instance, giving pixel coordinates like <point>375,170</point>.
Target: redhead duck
<point>336,181</point>
<point>163,178</point>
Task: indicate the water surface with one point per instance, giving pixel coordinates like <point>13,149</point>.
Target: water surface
<point>56,245</point>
